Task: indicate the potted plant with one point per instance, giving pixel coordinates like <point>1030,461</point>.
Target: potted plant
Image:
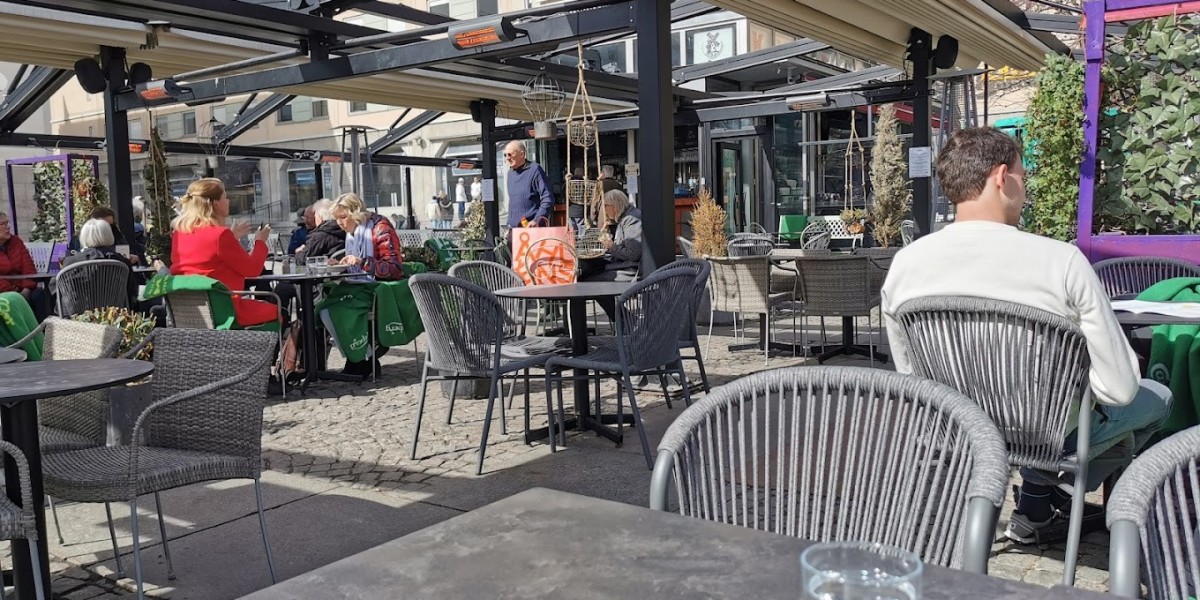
<point>708,226</point>
<point>855,220</point>
<point>125,402</point>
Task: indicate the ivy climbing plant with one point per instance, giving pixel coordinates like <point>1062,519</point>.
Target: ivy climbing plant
<point>87,192</point>
<point>50,194</point>
<point>1150,165</point>
<point>1055,121</point>
<point>160,204</point>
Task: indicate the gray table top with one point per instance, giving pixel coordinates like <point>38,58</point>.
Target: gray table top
<point>584,290</point>
<point>554,545</point>
<point>47,379</point>
<point>35,277</point>
<point>302,277</point>
<point>11,355</point>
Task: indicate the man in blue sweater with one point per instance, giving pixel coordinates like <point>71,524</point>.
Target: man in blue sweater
<point>529,196</point>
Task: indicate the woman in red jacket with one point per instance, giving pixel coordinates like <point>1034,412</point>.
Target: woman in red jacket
<point>202,245</point>
<point>15,260</point>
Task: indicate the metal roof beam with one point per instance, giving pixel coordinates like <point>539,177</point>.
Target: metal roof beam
<point>1071,24</point>
<point>35,90</point>
<point>1014,14</point>
<point>396,134</point>
<point>401,12</point>
<point>765,56</point>
<point>680,10</point>
<point>834,81</point>
<point>68,142</point>
<point>234,18</point>
<point>246,119</point>
<point>547,32</point>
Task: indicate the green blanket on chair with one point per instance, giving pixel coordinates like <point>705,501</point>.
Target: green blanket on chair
<point>348,304</point>
<point>16,321</point>
<point>1175,354</point>
<point>218,297</point>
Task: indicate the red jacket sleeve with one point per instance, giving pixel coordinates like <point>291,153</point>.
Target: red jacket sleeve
<point>22,261</point>
<point>236,258</point>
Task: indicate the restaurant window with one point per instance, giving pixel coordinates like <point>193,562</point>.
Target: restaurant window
<point>613,57</point>
<point>707,45</point>
<point>302,186</point>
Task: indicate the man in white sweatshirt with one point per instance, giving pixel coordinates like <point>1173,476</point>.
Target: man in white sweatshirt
<point>982,254</point>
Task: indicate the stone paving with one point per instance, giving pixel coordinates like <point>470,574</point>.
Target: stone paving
<point>357,436</point>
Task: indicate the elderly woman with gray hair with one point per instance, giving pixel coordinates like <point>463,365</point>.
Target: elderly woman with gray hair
<point>98,242</point>
<point>623,246</point>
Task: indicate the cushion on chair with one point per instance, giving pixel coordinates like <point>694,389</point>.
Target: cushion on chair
<point>100,474</point>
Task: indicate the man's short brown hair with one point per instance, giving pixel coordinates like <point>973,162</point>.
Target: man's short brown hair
<point>102,212</point>
<point>966,160</point>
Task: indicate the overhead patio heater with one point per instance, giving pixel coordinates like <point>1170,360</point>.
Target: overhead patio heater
<point>544,100</point>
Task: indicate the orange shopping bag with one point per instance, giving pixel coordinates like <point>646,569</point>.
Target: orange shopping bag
<point>544,255</point>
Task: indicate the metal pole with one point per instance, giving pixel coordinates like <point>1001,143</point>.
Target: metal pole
<point>487,125</point>
<point>116,133</point>
<point>241,64</point>
<point>408,199</point>
<point>656,133</point>
<point>919,43</point>
<point>355,162</point>
<point>1094,54</point>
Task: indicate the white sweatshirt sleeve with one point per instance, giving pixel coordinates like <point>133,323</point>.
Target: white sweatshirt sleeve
<point>1114,373</point>
<point>897,344</point>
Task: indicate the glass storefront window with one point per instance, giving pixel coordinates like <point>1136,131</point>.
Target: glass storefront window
<point>791,165</point>
<point>613,58</point>
<point>302,186</point>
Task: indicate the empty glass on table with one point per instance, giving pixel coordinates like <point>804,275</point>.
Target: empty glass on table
<point>860,571</point>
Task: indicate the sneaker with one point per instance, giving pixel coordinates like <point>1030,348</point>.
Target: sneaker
<point>1022,530</point>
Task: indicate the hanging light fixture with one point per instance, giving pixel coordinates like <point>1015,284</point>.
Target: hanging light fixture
<point>544,100</point>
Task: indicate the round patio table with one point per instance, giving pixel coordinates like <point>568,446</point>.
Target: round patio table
<point>576,295</point>
<point>11,355</point>
<point>307,283</point>
<point>21,386</point>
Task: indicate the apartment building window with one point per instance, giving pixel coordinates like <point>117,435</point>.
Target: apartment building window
<point>136,131</point>
<point>378,22</point>
<point>176,125</point>
<point>614,57</point>
<point>302,109</point>
<point>484,8</point>
<point>358,107</point>
<point>440,7</point>
<point>367,107</point>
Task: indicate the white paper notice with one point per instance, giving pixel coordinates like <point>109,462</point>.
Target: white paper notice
<point>489,190</point>
<point>631,184</point>
<point>920,161</point>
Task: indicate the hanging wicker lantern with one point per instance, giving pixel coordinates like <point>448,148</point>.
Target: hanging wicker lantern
<point>544,100</point>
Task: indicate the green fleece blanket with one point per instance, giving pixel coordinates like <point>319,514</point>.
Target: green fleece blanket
<point>221,303</point>
<point>16,321</point>
<point>1175,354</point>
<point>347,304</point>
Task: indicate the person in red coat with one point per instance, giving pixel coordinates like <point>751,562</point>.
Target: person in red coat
<point>15,260</point>
<point>201,244</point>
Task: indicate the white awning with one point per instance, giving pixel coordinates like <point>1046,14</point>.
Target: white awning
<point>878,30</point>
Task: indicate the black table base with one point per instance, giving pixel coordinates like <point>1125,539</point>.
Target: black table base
<point>822,352</point>
<point>18,424</point>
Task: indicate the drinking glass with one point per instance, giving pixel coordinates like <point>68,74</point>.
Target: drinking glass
<point>860,571</point>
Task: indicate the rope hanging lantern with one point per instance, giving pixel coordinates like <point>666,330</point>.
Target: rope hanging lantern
<point>544,100</point>
<point>855,165</point>
<point>584,133</point>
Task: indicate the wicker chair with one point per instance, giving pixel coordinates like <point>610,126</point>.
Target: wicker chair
<point>834,454</point>
<point>466,328</point>
<point>815,236</point>
<point>701,270</point>
<point>205,424</point>
<point>491,277</point>
<point>750,246</point>
<point>651,319</point>
<point>18,522</point>
<point>742,285</point>
<point>1032,377</point>
<point>92,284</point>
<point>833,285</point>
<point>1154,519</point>
<point>1131,275</point>
<point>687,247</point>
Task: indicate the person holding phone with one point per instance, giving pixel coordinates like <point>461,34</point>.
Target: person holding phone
<point>201,244</point>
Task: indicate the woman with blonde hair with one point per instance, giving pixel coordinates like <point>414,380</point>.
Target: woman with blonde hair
<point>371,241</point>
<point>202,244</point>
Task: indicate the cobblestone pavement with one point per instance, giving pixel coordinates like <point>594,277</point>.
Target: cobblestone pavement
<point>359,435</point>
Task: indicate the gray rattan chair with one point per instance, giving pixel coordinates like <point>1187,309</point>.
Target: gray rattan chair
<point>205,424</point>
<point>908,230</point>
<point>1027,369</point>
<point>701,270</point>
<point>90,284</point>
<point>687,247</point>
<point>651,318</point>
<point>742,285</point>
<point>750,246</point>
<point>79,420</point>
<point>1154,520</point>
<point>466,328</point>
<point>832,285</point>
<point>1131,275</point>
<point>840,453</point>
<point>17,522</point>
<point>815,236</point>
<point>491,277</point>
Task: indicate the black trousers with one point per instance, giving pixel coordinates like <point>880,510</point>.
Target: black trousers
<point>595,269</point>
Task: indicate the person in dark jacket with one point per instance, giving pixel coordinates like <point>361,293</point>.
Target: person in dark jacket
<point>306,221</point>
<point>327,238</point>
<point>623,246</point>
<point>98,242</point>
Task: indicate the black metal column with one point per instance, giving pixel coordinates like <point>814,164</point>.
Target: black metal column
<point>410,217</point>
<point>485,113</point>
<point>920,46</point>
<point>656,133</point>
<point>116,136</point>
